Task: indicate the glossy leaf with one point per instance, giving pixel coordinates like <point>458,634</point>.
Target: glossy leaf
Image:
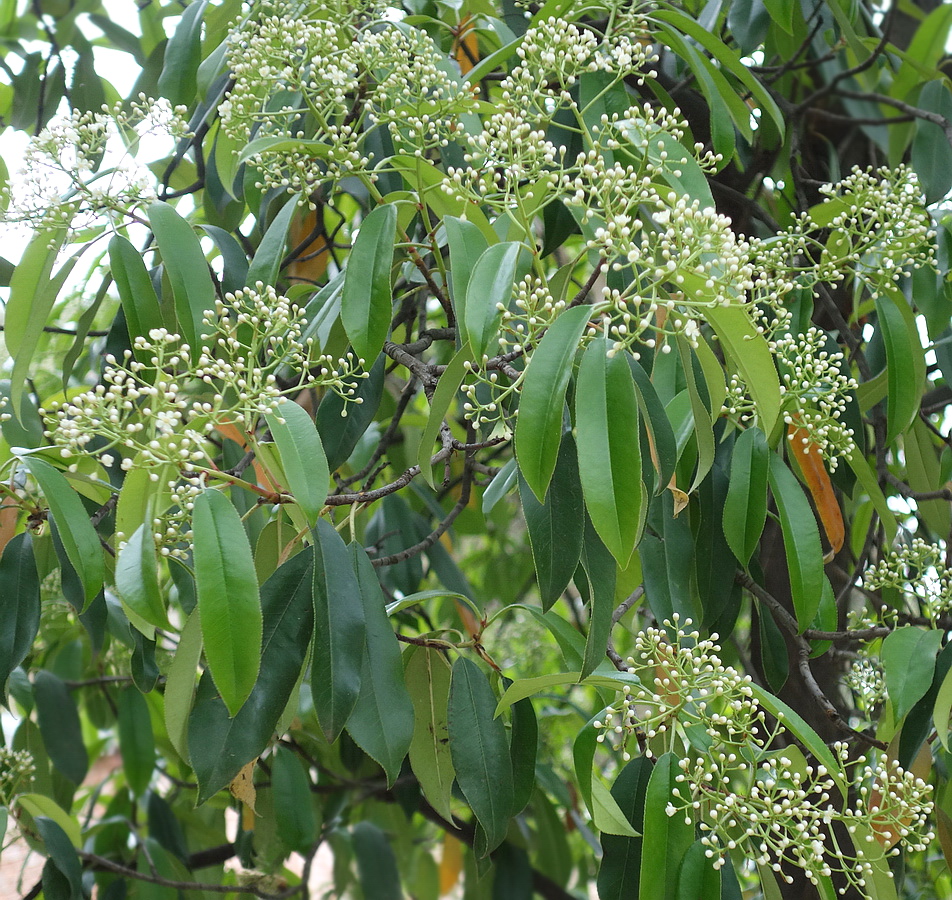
<point>745,509</point>
<point>293,803</point>
<point>905,364</point>
<point>523,750</point>
<point>75,530</point>
<point>490,285</point>
<point>184,260</point>
<point>19,603</point>
<point>466,244</point>
<point>340,424</point>
<point>381,723</point>
<point>137,580</point>
<point>182,57</point>
<point>139,301</point>
<point>480,751</point>
<point>302,456</point>
<point>58,719</point>
<point>619,874</point>
<point>427,677</point>
<point>443,396</point>
<point>808,457</point>
<point>266,263</point>
<point>609,459</point>
<point>220,745</point>
<point>180,684</point>
<point>666,837</point>
<point>228,600</point>
<point>541,406</point>
<point>339,630</point>
<point>367,299</point>
<point>801,540</point>
<point>908,657</point>
<point>555,526</point>
<point>62,854</point>
<point>136,742</point>
<point>661,443</point>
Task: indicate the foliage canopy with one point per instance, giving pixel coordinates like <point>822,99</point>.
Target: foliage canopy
<point>504,443</point>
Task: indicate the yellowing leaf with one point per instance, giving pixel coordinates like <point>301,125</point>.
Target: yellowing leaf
<point>451,863</point>
<point>242,788</point>
<point>807,455</point>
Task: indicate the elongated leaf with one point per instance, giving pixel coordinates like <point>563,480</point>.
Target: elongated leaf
<point>339,631</point>
<point>376,863</point>
<point>924,472</point>
<point>666,838</point>
<point>40,805</point>
<point>908,657</point>
<point>136,742</point>
<point>466,244</point>
<point>428,682</point>
<point>813,469</point>
<point>183,54</point>
<point>381,723</point>
<point>609,458</point>
<point>292,801</point>
<point>697,876</point>
<point>601,572</point>
<point>619,874</point>
<point>905,363</point>
<point>302,456</point>
<point>480,751</point>
<point>446,389</point>
<point>555,527</point>
<point>75,530</point>
<point>62,855</point>
<point>523,749</point>
<point>228,601</point>
<point>139,302</point>
<point>749,351</point>
<point>801,541</point>
<point>180,684</point>
<point>745,509</point>
<point>58,719</point>
<point>661,442</point>
<point>490,285</point>
<point>19,604</point>
<point>219,745</point>
<point>503,482</point>
<point>341,424</point>
<point>192,289</point>
<point>137,580</point>
<point>539,425</point>
<point>267,259</point>
<point>367,299</point>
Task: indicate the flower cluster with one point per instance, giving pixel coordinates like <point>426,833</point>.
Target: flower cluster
<point>159,406</point>
<point>919,572</point>
<point>16,773</point>
<point>80,170</point>
<point>868,684</point>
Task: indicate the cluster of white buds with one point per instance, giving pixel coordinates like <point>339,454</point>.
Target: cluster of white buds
<point>80,170</point>
<point>682,682</point>
<point>17,770</point>
<point>919,572</point>
<point>867,682</point>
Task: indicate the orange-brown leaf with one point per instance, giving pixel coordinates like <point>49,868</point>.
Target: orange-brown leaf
<point>312,259</point>
<point>451,863</point>
<point>808,457</point>
<point>466,46</point>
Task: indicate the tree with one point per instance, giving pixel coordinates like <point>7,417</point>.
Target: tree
<point>504,443</point>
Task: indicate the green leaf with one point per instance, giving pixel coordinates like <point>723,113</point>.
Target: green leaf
<point>184,260</point>
<point>180,684</point>
<point>801,541</point>
<point>601,571</point>
<point>139,301</point>
<point>293,803</point>
<point>443,396</point>
<point>267,259</point>
<point>662,445</point>
<point>220,746</point>
<point>228,601</point>
<point>905,362</point>
<point>75,530</point>
<point>943,709</point>
<point>924,473</point>
<point>555,527</point>
<point>541,406</point>
<point>479,750</point>
<point>466,244</point>
<point>40,805</point>
<point>931,151</point>
<point>666,838</point>
<point>503,482</point>
<point>697,876</point>
<point>376,863</point>
<point>367,298</point>
<point>745,509</point>
<point>381,723</point>
<point>340,424</point>
<point>136,742</point>
<point>523,750</point>
<point>427,677</point>
<point>19,604</point>
<point>137,578</point>
<point>178,82</point>
<point>798,727</point>
<point>58,719</point>
<point>62,854</point>
<point>609,458</point>
<point>619,874</point>
<point>490,284</point>
<point>339,631</point>
<point>908,657</point>
<point>33,292</point>
<point>302,456</point>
